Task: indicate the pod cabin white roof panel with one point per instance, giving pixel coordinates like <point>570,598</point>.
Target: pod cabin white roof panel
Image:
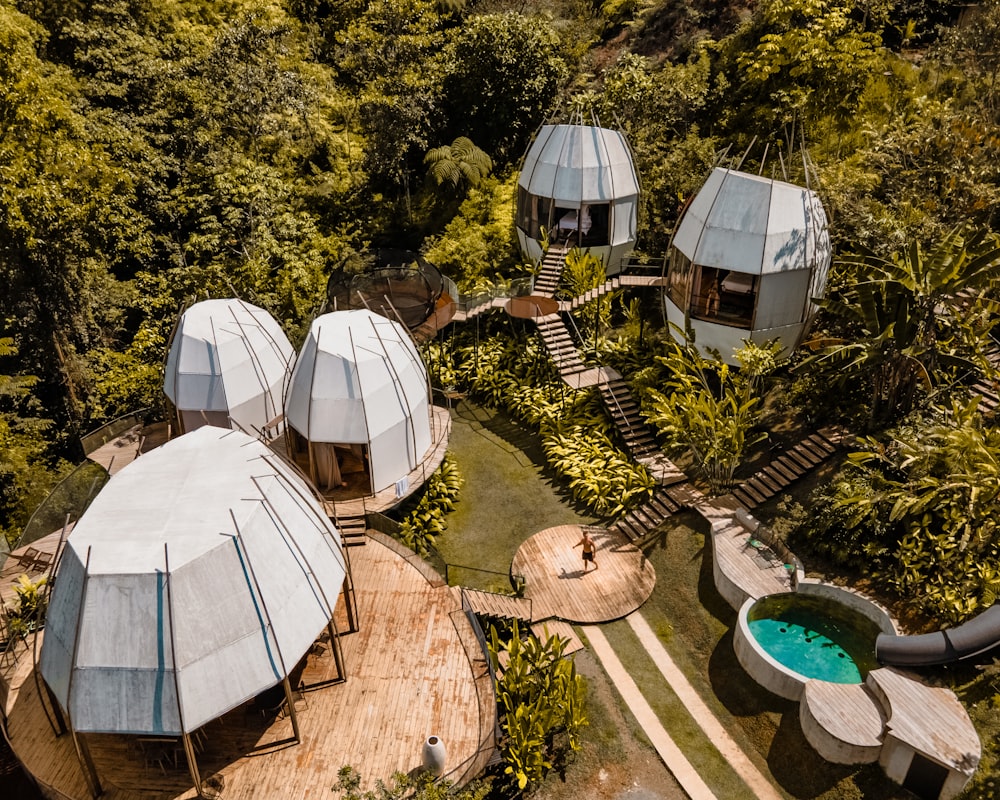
<point>228,356</point>
<point>196,579</point>
<point>574,164</point>
<point>755,225</point>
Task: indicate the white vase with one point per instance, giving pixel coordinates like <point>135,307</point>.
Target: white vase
<point>434,756</point>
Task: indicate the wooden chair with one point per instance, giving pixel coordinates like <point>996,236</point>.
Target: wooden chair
<point>29,557</point>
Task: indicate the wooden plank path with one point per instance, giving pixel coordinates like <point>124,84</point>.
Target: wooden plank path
<point>789,466</point>
<point>127,447</point>
<point>414,669</point>
<point>555,582</point>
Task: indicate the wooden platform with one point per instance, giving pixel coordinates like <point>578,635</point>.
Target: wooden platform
<point>352,501</point>
<point>13,568</point>
<point>848,712</point>
<point>126,448</point>
<point>742,570</point>
<point>929,719</point>
<point>557,586</point>
<point>414,669</point>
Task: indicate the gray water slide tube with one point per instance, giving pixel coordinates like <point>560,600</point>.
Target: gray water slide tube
<point>979,634</point>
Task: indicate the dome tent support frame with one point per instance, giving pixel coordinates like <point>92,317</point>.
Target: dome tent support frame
<point>331,624</point>
<point>83,755</point>
<point>185,737</point>
<point>268,626</point>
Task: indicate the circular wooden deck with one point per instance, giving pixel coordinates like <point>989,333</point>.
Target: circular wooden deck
<point>555,581</point>
<point>414,669</point>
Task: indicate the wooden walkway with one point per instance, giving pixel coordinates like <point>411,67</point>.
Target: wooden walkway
<point>557,586</point>
<point>126,448</point>
<point>789,466</point>
<point>414,669</point>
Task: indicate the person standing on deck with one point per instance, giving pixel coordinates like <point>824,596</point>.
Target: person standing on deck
<point>589,552</point>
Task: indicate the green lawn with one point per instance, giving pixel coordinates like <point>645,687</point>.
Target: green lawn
<point>508,496</point>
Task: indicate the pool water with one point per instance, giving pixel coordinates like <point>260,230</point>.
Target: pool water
<point>814,636</point>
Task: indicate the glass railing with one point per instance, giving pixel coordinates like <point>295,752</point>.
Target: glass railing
<point>71,497</point>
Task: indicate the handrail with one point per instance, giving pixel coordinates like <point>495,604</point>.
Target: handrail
<point>606,383</point>
<point>576,330</point>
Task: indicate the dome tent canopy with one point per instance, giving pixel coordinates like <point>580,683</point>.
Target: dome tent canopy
<point>198,578</point>
<point>574,164</point>
<point>578,184</point>
<point>747,260</point>
<point>359,380</point>
<point>754,225</point>
<point>228,360</point>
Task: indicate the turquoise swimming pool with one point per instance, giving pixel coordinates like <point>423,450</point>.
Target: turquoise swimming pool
<point>817,637</point>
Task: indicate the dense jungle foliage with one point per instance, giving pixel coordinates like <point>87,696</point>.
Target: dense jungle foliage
<point>156,152</point>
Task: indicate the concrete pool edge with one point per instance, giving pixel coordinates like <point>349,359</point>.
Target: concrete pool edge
<point>771,673</point>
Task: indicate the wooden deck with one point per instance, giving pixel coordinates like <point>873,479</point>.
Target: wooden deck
<point>753,571</point>
<point>848,712</point>
<point>414,669</point>
<point>557,586</point>
<point>353,501</point>
<point>929,719</point>
<point>126,448</point>
<point>13,568</point>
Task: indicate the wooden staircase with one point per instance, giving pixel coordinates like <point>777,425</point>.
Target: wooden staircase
<point>550,271</point>
<point>353,529</point>
<point>497,606</point>
<point>641,521</point>
<point>560,345</point>
<point>789,466</point>
<point>988,390</point>
<point>639,440</point>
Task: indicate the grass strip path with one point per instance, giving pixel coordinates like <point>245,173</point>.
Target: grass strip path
<point>687,776</point>
<point>702,714</point>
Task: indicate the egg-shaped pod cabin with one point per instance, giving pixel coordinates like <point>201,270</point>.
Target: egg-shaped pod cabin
<point>747,259</point>
<point>196,580</point>
<point>358,405</point>
<point>227,366</point>
<point>578,184</point>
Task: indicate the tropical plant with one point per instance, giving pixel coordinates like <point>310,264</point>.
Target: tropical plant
<point>917,510</point>
<point>403,786</point>
<point>598,475</point>
<point>479,242</point>
<point>459,164</point>
<point>504,70</point>
<point>802,59</point>
<point>709,409</point>
<point>913,322</point>
<point>427,520</point>
<point>28,612</point>
<point>582,272</point>
<point>539,694</point>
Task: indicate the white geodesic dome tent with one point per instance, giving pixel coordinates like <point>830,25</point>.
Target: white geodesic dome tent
<point>197,578</point>
<point>578,183</point>
<point>359,389</point>
<point>747,259</point>
<point>228,365</point>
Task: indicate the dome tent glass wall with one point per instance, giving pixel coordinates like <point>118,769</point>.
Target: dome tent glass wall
<point>747,259</point>
<point>359,398</point>
<point>578,183</point>
<point>227,366</point>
